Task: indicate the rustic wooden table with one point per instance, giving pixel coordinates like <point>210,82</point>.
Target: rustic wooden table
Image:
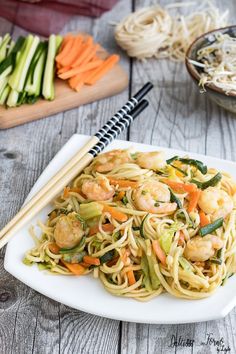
<point>178,117</point>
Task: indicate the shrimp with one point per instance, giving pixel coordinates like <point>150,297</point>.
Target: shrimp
<point>98,189</point>
<point>154,197</point>
<point>107,161</point>
<point>151,160</point>
<point>200,249</point>
<point>68,231</point>
<point>216,202</point>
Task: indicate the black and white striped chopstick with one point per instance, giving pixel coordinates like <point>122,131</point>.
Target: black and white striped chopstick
<point>116,130</point>
<point>128,107</point>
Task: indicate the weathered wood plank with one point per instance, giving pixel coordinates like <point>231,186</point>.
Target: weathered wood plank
<point>35,323</point>
<point>181,118</point>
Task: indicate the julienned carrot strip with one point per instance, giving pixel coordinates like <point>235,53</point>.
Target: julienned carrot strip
<point>87,56</point>
<point>91,260</point>
<point>66,50</point>
<point>74,52</point>
<point>180,187</point>
<point>93,64</point>
<point>204,220</point>
<point>63,69</point>
<point>85,50</point>
<point>119,196</point>
<point>181,239</point>
<point>193,200</point>
<point>159,252</point>
<point>117,215</point>
<point>131,277</point>
<point>75,268</point>
<point>106,227</point>
<point>102,69</point>
<point>123,182</point>
<point>66,192</point>
<point>54,248</point>
<point>65,40</point>
<point>79,85</point>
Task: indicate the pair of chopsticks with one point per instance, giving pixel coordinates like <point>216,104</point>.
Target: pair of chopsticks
<point>113,127</point>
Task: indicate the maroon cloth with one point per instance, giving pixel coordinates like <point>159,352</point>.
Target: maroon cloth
<point>49,16</point>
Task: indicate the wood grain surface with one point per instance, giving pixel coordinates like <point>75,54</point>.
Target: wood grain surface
<point>178,117</point>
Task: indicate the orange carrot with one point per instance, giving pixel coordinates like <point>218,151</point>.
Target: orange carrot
<point>80,69</point>
<point>193,200</point>
<point>86,56</point>
<point>66,50</point>
<point>131,277</point>
<point>117,215</point>
<point>75,190</point>
<point>102,69</point>
<point>65,40</point>
<point>74,52</point>
<point>63,69</point>
<point>66,192</point>
<point>91,260</point>
<point>75,268</point>
<point>85,50</point>
<point>119,196</point>
<point>54,248</point>
<point>123,183</point>
<point>125,255</point>
<point>180,187</point>
<point>204,220</point>
<point>181,238</point>
<point>106,227</point>
<point>159,252</point>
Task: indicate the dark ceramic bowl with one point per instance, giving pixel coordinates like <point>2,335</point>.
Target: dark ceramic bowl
<point>227,101</point>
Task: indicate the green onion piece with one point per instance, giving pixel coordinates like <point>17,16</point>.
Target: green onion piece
<point>179,169</point>
<point>74,257</point>
<point>107,256</point>
<point>76,249</point>
<point>211,183</point>
<point>196,163</point>
<point>82,221</point>
<point>124,200</point>
<point>142,226</point>
<point>205,230</point>
<point>174,199</point>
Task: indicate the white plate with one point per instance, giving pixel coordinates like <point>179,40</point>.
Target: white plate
<point>87,294</point>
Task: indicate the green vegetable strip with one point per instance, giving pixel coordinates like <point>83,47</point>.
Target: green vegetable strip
<point>218,259</point>
<point>4,47</point>
<point>8,64</point>
<point>211,183</point>
<point>33,86</point>
<point>18,77</point>
<point>4,95</point>
<point>77,249</point>
<point>3,84</point>
<point>196,163</point>
<point>174,199</point>
<point>48,79</point>
<point>205,230</point>
<point>107,257</point>
<point>145,269</point>
<point>12,98</point>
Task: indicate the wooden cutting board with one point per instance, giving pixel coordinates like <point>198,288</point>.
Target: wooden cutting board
<point>115,81</point>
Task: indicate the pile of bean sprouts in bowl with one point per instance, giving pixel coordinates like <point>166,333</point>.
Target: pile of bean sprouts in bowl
<point>211,62</point>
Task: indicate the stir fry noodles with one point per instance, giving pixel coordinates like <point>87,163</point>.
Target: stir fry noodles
<point>143,225</point>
